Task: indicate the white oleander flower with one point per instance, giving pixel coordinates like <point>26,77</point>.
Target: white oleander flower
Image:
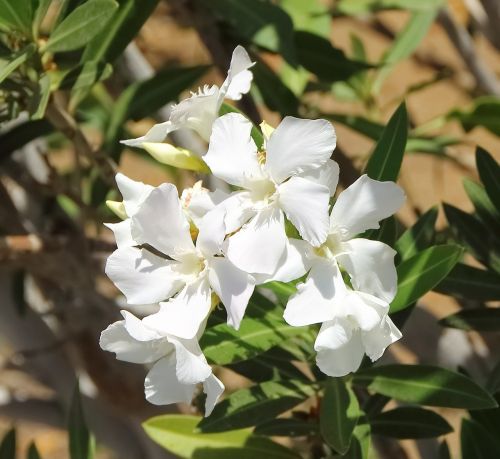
<point>293,176</point>
<point>353,313</point>
<point>178,364</point>
<point>162,261</point>
<point>199,111</point>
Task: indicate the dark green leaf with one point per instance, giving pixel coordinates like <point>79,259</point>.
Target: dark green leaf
<point>33,452</point>
<point>479,319</point>
<point>8,445</point>
<point>84,75</point>
<point>16,60</point>
<point>177,434</point>
<point>80,438</point>
<point>444,451</point>
<point>120,30</point>
<point>287,427</point>
<point>471,283</point>
<point>18,293</point>
<point>422,272</point>
<point>387,232</point>
<point>360,442</point>
<point>419,236</point>
<point>425,385</point>
<point>81,25</point>
<point>409,422</point>
<point>476,442</point>
<point>21,135</point>
<point>328,63</point>
<point>493,383</point>
<point>260,22</point>
<point>339,414</point>
<point>260,403</point>
<point>16,15</point>
<point>485,209</point>
<point>386,159</point>
<point>484,112</point>
<point>489,172</point>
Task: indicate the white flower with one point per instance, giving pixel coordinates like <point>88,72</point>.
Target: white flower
<point>178,365</point>
<point>354,316</point>
<point>199,111</point>
<point>294,176</point>
<point>164,261</point>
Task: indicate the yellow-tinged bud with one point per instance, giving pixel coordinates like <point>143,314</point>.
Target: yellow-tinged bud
<point>215,301</point>
<point>174,156</point>
<point>117,208</point>
<point>266,129</point>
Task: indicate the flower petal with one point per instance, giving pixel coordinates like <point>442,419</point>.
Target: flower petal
<point>197,201</point>
<point>161,223</point>
<point>239,78</point>
<point>183,315</point>
<point>317,298</point>
<point>141,276</point>
<point>239,210</point>
<point>370,265</point>
<point>327,175</point>
<point>212,232</point>
<point>191,364</point>
<point>157,133</point>
<point>260,245</point>
<point>364,310</point>
<point>361,206</point>
<point>133,193</point>
<point>214,388</point>
<point>298,145</point>
<point>306,205</point>
<point>232,154</point>
<point>376,340</point>
<point>122,232</point>
<point>162,386</point>
<point>233,286</point>
<point>339,349</point>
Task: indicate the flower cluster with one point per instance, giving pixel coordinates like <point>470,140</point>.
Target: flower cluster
<point>186,254</point>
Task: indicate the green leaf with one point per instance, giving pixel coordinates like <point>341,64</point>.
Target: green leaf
<point>16,15</point>
<point>360,442</point>
<point>328,63</point>
<point>484,112</point>
<point>425,385</point>
<point>83,76</point>
<point>471,283</point>
<point>422,272</point>
<point>419,236</point>
<point>81,25</point>
<point>489,172</point>
<point>40,12</point>
<point>409,422</point>
<point>386,159</point>
<point>33,452</point>
<point>177,434</point>
<point>387,232</point>
<point>485,209</point>
<point>120,30</point>
<point>16,60</point>
<point>80,438</point>
<point>479,319</point>
<point>38,103</point>
<point>311,16</point>
<point>287,427</point>
<point>259,22</point>
<point>259,403</point>
<point>339,414</point>
<point>354,7</point>
<point>482,243</point>
<point>476,442</point>
<point>8,445</point>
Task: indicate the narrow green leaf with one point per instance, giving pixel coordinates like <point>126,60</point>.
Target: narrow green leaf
<point>81,25</point>
<point>16,60</point>
<point>483,206</point>
<point>8,445</point>
<point>177,434</point>
<point>484,112</point>
<point>387,232</point>
<point>120,30</point>
<point>260,403</point>
<point>493,383</point>
<point>287,427</point>
<point>444,451</point>
<point>16,15</point>
<point>360,442</point>
<point>419,236</point>
<point>339,414</point>
<point>422,272</point>
<point>489,172</point>
<point>33,452</point>
<point>476,442</point>
<point>354,7</point>
<point>328,63</point>
<point>409,422</point>
<point>425,385</point>
<point>471,283</point>
<point>386,159</point>
<point>479,319</point>
<point>41,99</point>
<point>39,15</point>
<point>80,438</point>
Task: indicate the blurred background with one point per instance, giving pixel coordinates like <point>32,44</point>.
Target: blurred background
<point>57,168</point>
